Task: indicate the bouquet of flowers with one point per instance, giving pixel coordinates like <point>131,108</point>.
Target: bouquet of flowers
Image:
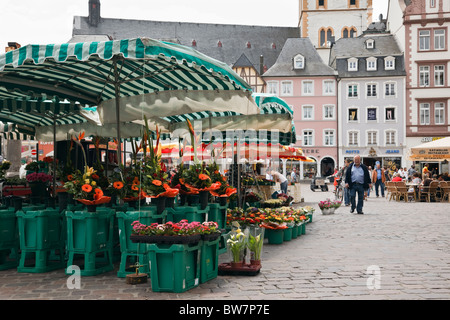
<point>225,190</point>
<point>155,177</point>
<point>325,204</point>
<point>84,185</point>
<point>274,219</point>
<point>125,183</point>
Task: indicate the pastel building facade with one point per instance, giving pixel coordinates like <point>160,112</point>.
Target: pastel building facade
<point>308,85</point>
<point>371,104</point>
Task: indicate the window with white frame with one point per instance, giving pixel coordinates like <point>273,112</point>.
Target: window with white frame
<point>372,114</point>
<point>286,88</point>
<point>352,91</point>
<point>308,137</point>
<point>272,87</point>
<point>389,63</point>
<point>370,44</point>
<point>372,137</point>
<point>424,76</point>
<point>439,39</point>
<point>328,112</point>
<point>390,114</point>
<point>424,112</point>
<point>353,114</point>
<point>352,64</point>
<point>424,40</point>
<point>439,75</point>
<point>371,90</point>
<point>390,137</point>
<point>439,113</point>
<point>308,112</point>
<point>389,89</point>
<point>328,87</point>
<point>307,87</point>
<point>371,64</point>
<point>432,3</point>
<point>353,137</point>
<point>299,62</point>
<point>328,137</point>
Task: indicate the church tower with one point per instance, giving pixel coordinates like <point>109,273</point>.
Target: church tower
<point>326,21</point>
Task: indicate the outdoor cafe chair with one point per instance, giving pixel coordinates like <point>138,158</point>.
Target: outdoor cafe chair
<point>402,191</point>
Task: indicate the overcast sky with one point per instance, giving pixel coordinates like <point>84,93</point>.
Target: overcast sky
<point>50,21</point>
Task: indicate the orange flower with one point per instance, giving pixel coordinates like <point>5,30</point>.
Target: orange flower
<point>118,185</point>
<point>70,177</point>
<point>86,188</point>
<point>134,187</point>
<point>98,192</point>
<point>203,176</point>
<point>157,182</point>
<point>95,177</point>
<point>136,180</point>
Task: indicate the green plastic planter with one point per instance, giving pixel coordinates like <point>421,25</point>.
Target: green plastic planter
<point>174,267</point>
<point>275,236</point>
<point>190,213</point>
<point>9,239</point>
<point>209,260</point>
<point>303,228</point>
<point>218,213</point>
<point>294,232</point>
<point>90,234</point>
<point>40,237</point>
<point>130,250</point>
<point>287,234</point>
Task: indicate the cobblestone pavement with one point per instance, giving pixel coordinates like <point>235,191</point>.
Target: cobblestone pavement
<point>395,251</point>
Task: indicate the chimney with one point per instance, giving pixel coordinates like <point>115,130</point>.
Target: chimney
<point>261,64</point>
<point>94,12</point>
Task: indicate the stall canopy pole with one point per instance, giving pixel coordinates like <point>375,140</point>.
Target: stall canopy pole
<point>117,93</point>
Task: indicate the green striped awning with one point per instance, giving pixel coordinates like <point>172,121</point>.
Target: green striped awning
<point>149,77</point>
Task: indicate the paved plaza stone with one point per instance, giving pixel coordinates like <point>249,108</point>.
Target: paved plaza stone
<point>395,251</point>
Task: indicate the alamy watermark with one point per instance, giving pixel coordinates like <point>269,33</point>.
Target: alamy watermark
<point>374,280</point>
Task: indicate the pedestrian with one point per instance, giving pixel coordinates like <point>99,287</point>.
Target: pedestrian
<point>367,194</point>
<point>294,175</point>
<point>357,179</point>
<point>412,170</point>
<point>282,180</point>
<point>341,174</point>
<point>387,174</point>
<point>379,179</point>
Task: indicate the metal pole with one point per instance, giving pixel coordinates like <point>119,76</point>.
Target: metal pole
<point>117,92</point>
<point>54,157</point>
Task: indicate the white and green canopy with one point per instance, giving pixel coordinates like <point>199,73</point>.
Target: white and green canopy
<point>125,79</point>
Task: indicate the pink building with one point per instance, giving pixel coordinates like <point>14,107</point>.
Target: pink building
<point>308,85</point>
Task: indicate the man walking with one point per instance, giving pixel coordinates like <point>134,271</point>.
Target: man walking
<point>357,179</point>
<point>342,174</point>
<point>379,178</point>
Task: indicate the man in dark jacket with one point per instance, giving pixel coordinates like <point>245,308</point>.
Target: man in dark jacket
<point>357,179</point>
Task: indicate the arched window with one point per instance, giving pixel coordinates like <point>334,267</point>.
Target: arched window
<point>299,62</point>
<point>349,32</point>
<point>326,36</point>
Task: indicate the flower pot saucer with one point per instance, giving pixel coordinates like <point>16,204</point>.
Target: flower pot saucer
<point>244,270</point>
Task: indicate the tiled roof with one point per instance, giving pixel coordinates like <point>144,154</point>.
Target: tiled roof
<point>234,39</point>
<point>314,65</point>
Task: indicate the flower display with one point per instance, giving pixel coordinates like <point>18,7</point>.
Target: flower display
<point>181,228</point>
<point>4,167</point>
<point>225,190</point>
<point>125,183</point>
<point>248,217</point>
<point>255,244</point>
<point>327,204</point>
<point>39,177</point>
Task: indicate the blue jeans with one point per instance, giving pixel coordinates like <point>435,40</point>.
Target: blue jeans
<point>381,185</point>
<point>283,187</point>
<point>346,196</point>
<point>357,189</point>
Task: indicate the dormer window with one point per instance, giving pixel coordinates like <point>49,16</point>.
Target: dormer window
<point>352,64</point>
<point>370,44</point>
<point>299,62</point>
<point>389,63</point>
<point>371,64</point>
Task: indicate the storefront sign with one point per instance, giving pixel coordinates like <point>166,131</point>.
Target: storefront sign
<point>392,151</point>
<point>352,151</point>
<point>429,139</point>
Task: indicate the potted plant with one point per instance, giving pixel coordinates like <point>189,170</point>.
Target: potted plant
<point>236,244</point>
<point>327,206</point>
<point>38,182</point>
<point>255,244</point>
<point>125,184</point>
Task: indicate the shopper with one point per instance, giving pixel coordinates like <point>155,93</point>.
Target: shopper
<point>357,179</point>
<point>379,178</point>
